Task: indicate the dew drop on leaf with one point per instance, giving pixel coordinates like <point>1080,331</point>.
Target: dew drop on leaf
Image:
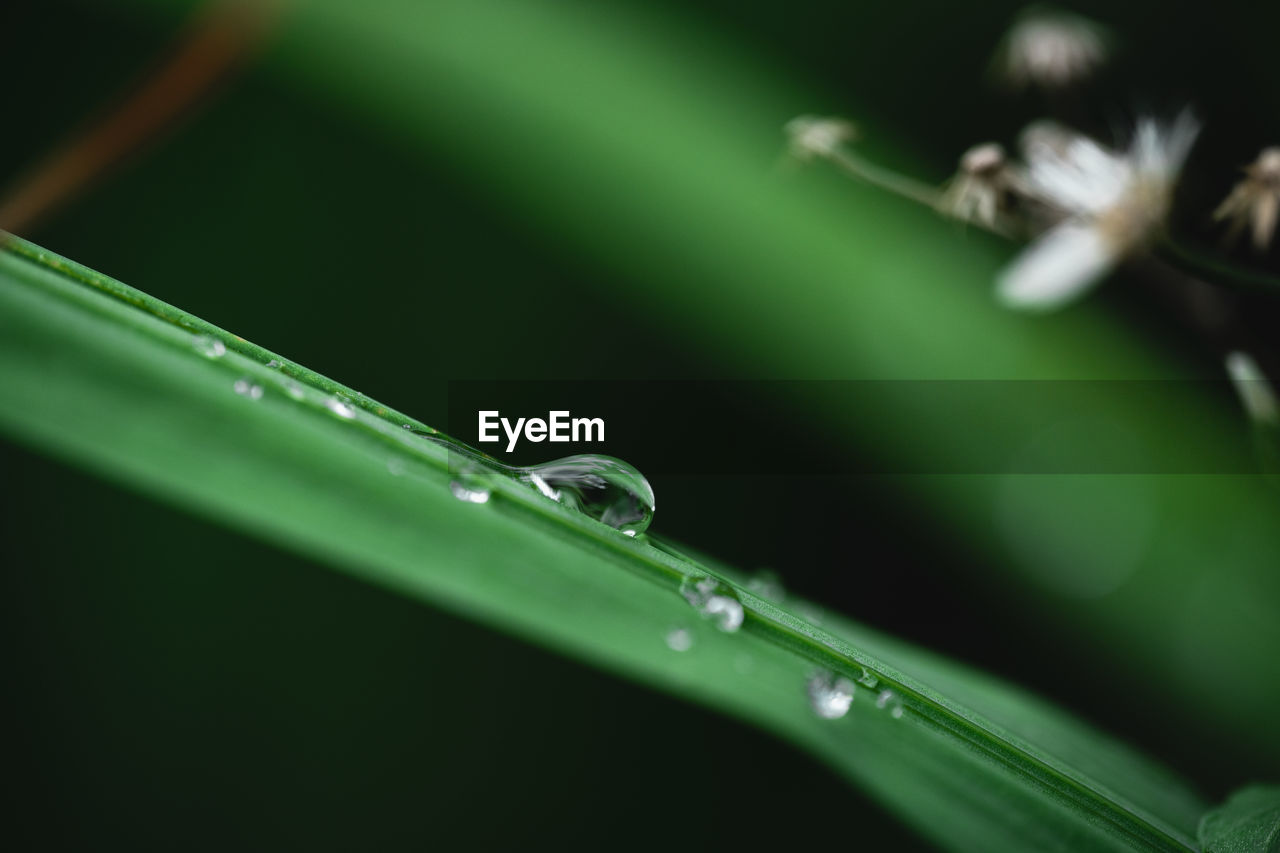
<point>892,701</point>
<point>606,489</point>
<point>867,679</point>
<point>829,695</point>
<point>468,485</point>
<point>679,639</point>
<point>340,407</point>
<point>209,346</point>
<point>245,388</point>
<point>714,601</point>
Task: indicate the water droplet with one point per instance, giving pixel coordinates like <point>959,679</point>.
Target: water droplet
<point>892,701</point>
<point>765,584</point>
<point>714,600</point>
<point>829,695</point>
<point>245,388</point>
<point>679,639</point>
<point>607,489</point>
<point>209,346</point>
<point>867,679</point>
<point>340,407</point>
<point>294,389</point>
<point>274,364</point>
<point>468,485</point>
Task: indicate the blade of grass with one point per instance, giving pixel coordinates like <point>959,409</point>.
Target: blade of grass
<point>647,141</point>
<point>142,392</point>
<point>1248,821</point>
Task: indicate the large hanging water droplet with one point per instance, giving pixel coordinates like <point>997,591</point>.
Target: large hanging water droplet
<point>829,695</point>
<point>714,601</point>
<point>890,701</point>
<point>209,346</point>
<point>607,489</point>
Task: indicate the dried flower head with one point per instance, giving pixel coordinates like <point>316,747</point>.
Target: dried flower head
<point>1109,204</point>
<point>1255,201</point>
<point>817,136</point>
<point>1051,49</point>
<point>981,190</point>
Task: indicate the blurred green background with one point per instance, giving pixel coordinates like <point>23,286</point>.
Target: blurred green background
<point>196,687</point>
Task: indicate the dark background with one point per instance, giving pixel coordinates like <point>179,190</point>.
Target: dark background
<point>192,687</point>
<point>717,428</point>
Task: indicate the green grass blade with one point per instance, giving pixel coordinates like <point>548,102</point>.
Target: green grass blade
<point>122,384</point>
<point>1248,822</point>
<point>646,142</point>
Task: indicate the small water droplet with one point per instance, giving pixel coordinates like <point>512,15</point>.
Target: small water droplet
<point>294,389</point>
<point>892,701</point>
<point>340,407</point>
<point>714,601</point>
<point>679,639</point>
<point>209,346</point>
<point>245,388</point>
<point>830,695</point>
<point>274,364</point>
<point>468,485</point>
<point>766,584</point>
<point>867,679</point>
<point>606,489</point>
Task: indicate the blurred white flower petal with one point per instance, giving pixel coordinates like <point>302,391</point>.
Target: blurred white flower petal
<point>1060,266</point>
<point>1051,49</point>
<point>817,136</point>
<point>1255,201</point>
<point>980,191</point>
<point>1256,393</point>
<point>1110,205</point>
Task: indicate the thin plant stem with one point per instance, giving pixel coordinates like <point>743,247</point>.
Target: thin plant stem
<point>886,179</point>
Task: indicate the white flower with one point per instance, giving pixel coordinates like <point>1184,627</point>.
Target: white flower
<point>980,190</point>
<point>1255,392</point>
<point>1255,200</point>
<point>1109,205</point>
<point>817,136</point>
<point>1051,49</point>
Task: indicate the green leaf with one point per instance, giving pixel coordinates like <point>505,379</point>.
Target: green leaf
<point>1248,822</point>
<point>144,393</point>
<point>645,140</point>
